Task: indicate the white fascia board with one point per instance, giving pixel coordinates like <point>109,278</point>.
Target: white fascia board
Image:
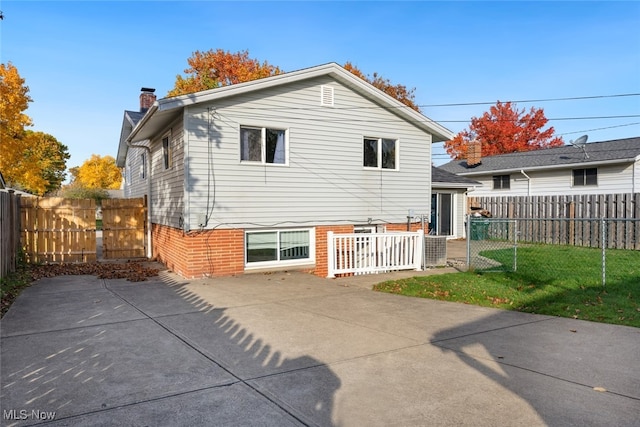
<point>439,132</point>
<point>146,118</point>
<point>242,88</point>
<point>549,167</point>
<point>436,185</point>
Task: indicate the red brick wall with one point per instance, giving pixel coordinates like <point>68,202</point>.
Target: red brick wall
<point>415,226</point>
<point>196,255</point>
<point>221,252</point>
<point>322,260</point>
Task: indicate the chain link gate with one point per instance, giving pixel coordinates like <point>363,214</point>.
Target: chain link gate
<point>492,244</point>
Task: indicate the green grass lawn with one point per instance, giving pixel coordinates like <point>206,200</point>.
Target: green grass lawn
<point>554,280</point>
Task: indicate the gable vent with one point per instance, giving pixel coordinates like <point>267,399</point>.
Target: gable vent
<point>326,96</point>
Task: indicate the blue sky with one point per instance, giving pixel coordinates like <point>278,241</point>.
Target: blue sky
<point>85,61</point>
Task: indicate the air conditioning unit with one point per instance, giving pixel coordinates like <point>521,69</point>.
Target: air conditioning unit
<point>435,248</point>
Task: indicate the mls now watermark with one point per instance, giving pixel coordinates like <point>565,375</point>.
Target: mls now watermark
<point>23,414</point>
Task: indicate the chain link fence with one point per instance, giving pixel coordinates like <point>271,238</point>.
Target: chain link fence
<point>587,251</point>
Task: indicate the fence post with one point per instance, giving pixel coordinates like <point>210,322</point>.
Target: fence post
<point>330,256</point>
<point>604,246</point>
<point>469,225</point>
<point>419,255</point>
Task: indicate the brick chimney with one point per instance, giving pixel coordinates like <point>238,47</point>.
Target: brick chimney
<point>147,98</point>
<point>474,153</point>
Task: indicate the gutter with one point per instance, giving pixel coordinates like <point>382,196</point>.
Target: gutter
<point>133,133</point>
<point>550,167</point>
<point>149,204</point>
<point>528,181</point>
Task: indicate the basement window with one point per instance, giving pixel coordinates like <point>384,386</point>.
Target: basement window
<point>279,247</point>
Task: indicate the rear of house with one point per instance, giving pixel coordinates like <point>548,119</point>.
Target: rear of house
<point>253,176</point>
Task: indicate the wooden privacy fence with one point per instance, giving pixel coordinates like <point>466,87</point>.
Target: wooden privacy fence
<point>369,253</point>
<point>587,206</point>
<point>9,232</point>
<point>593,220</point>
<point>124,228</point>
<point>56,230</point>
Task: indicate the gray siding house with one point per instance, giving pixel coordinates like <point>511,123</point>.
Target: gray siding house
<point>605,167</point>
<point>252,176</point>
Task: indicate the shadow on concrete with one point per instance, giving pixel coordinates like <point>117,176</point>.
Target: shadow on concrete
<point>87,351</point>
<point>571,372</point>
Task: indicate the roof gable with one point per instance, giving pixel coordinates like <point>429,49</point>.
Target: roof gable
<point>625,150</point>
<point>165,110</point>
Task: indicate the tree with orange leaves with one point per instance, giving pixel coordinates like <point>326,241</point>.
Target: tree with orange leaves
<point>212,69</point>
<point>398,91</point>
<point>505,129</point>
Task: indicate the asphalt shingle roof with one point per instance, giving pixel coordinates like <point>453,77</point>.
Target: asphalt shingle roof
<point>604,151</point>
<point>440,176</point>
<point>135,116</point>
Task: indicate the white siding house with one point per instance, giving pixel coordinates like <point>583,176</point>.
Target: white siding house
<point>253,175</point>
<point>605,167</point>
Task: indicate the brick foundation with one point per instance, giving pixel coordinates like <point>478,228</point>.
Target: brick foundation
<point>196,255</point>
<point>221,252</point>
<point>322,260</point>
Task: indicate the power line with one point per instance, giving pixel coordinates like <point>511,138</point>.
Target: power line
<point>574,98</point>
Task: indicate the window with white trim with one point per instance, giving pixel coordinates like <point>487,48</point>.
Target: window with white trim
<point>501,182</point>
<point>263,145</point>
<point>380,153</point>
<point>585,177</point>
<point>143,165</point>
<point>279,247</point>
<point>167,151</point>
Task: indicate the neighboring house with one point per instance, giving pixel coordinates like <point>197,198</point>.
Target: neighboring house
<point>605,167</point>
<point>449,203</point>
<point>252,176</point>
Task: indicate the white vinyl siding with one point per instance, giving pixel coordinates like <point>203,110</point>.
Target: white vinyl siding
<point>135,185</point>
<point>167,189</point>
<point>614,178</point>
<point>325,182</point>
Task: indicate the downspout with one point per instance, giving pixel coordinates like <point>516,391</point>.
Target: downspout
<point>635,165</point>
<point>528,182</point>
<point>149,204</point>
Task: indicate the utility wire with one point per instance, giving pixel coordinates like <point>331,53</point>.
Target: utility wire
<point>574,98</point>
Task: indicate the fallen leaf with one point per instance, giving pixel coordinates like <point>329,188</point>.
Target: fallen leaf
<point>600,389</point>
<point>572,330</point>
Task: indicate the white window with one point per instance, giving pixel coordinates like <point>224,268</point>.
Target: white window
<point>501,182</point>
<point>585,177</point>
<point>380,153</point>
<point>279,247</point>
<point>143,165</point>
<point>167,151</point>
<point>263,145</point>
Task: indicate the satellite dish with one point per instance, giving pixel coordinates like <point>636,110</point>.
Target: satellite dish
<point>581,143</point>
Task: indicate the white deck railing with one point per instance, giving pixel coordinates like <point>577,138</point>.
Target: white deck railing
<point>370,253</point>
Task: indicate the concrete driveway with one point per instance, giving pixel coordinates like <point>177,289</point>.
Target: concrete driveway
<point>293,349</point>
